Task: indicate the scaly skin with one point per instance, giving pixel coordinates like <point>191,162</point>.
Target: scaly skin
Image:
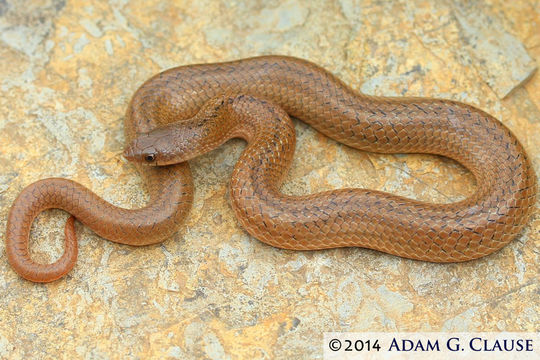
<point>251,99</point>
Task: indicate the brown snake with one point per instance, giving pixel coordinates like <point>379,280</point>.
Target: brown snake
<point>250,99</point>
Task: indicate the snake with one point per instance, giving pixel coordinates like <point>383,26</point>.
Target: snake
<point>187,111</point>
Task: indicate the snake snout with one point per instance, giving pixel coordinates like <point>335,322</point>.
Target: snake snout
<point>128,153</point>
<point>140,150</point>
<point>131,151</point>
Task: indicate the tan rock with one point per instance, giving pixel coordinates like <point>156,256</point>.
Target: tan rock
<point>67,72</point>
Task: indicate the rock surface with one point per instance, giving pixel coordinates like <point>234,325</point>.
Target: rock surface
<point>67,72</point>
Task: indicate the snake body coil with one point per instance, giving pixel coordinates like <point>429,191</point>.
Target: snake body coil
<point>251,99</point>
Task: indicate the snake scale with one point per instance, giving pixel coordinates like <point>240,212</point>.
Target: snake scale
<point>189,110</point>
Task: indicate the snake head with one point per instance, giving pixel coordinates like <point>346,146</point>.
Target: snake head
<point>174,143</point>
<point>141,151</point>
<point>182,140</point>
<point>154,148</point>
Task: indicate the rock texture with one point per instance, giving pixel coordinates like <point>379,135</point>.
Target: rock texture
<point>67,71</point>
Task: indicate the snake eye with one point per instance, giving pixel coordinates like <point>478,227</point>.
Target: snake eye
<point>150,157</point>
